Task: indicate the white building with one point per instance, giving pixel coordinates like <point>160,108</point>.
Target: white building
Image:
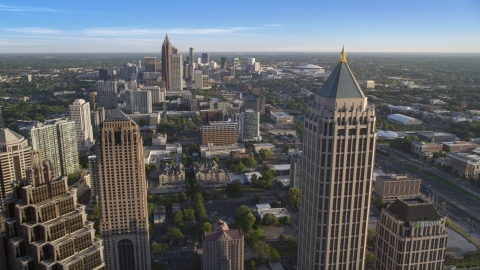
<point>201,81</point>
<point>403,120</point>
<point>158,94</point>
<point>281,118</point>
<point>80,114</point>
<point>176,71</point>
<point>138,101</point>
<point>250,61</point>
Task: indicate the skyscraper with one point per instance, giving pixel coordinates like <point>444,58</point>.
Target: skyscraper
<point>15,159</point>
<point>45,227</point>
<point>295,169</point>
<point>410,234</point>
<point>205,58</point>
<point>150,63</point>
<point>103,74</point>
<point>249,126</point>
<point>107,94</point>
<point>138,101</point>
<point>67,145</point>
<point>224,62</point>
<point>176,69</point>
<point>122,194</point>
<point>92,167</point>
<point>80,114</point>
<point>166,53</point>
<point>192,55</point>
<point>338,152</point>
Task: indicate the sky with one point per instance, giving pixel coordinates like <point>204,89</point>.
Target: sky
<point>50,26</point>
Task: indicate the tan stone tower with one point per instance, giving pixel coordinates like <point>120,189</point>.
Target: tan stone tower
<point>167,51</point>
<point>122,194</point>
<point>338,152</point>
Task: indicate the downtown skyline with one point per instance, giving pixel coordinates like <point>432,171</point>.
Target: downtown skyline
<point>286,26</point>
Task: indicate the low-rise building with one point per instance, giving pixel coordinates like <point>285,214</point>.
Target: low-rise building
<point>464,164</point>
<point>396,186</point>
<point>458,146</point>
<point>438,137</point>
<point>423,147</point>
<point>258,146</point>
<point>238,155</point>
<point>263,209</point>
<point>281,117</point>
<point>171,179</point>
<point>211,151</point>
<point>404,120</point>
<point>210,175</point>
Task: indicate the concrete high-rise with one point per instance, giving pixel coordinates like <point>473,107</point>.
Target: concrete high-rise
<point>92,167</point>
<point>150,63</point>
<point>201,81</point>
<point>15,159</point>
<point>205,58</point>
<point>176,72</point>
<point>107,94</point>
<point>103,74</point>
<point>338,158</point>
<point>191,55</point>
<point>221,133</point>
<point>80,114</point>
<point>45,227</point>
<point>295,169</point>
<point>256,104</point>
<point>122,194</point>
<point>249,126</point>
<point>223,249</point>
<point>67,145</point>
<point>235,62</point>
<point>224,62</point>
<point>410,234</point>
<point>138,101</point>
<point>167,51</point>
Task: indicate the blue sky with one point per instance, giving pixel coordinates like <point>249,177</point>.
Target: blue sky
<point>240,26</point>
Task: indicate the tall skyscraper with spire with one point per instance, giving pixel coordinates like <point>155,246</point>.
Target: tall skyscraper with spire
<point>122,194</point>
<point>167,51</point>
<point>338,157</point>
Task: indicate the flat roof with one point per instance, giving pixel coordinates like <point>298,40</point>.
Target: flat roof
<point>281,114</point>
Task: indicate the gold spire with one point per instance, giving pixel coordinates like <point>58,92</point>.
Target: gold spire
<point>343,55</point>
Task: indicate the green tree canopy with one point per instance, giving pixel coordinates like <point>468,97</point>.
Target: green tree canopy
<point>205,227</point>
<point>235,189</point>
<point>274,255</point>
<point>175,235</point>
<point>250,162</point>
<point>293,197</point>
<point>189,214</point>
<point>265,153</point>
<point>262,249</point>
<point>269,220</point>
<point>177,217</point>
<point>244,218</point>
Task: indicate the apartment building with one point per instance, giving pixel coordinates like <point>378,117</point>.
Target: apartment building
<point>396,186</point>
<point>220,133</point>
<point>223,249</point>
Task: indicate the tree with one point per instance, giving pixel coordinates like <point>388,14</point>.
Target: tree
<point>235,189</point>
<point>286,147</point>
<point>191,125</point>
<point>189,214</point>
<point>163,247</point>
<point>193,148</point>
<point>240,167</point>
<point>74,177</point>
<point>274,255</point>
<point>293,197</point>
<point>285,220</point>
<point>256,198</point>
<point>199,208</point>
<point>175,235</point>
<point>205,227</point>
<point>254,236</point>
<point>262,249</point>
<point>250,162</point>
<point>244,218</point>
<point>251,264</point>
<point>149,168</point>
<point>156,248</point>
<point>282,237</point>
<point>265,153</point>
<point>369,257</point>
<point>269,220</point>
<point>183,197</point>
<point>95,217</point>
<point>217,159</point>
<point>177,217</point>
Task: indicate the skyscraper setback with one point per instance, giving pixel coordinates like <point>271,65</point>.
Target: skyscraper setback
<point>122,194</point>
<point>167,51</point>
<point>338,152</point>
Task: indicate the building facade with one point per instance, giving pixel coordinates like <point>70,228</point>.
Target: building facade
<point>122,194</point>
<point>257,104</point>
<point>410,235</point>
<point>176,69</point>
<point>45,227</point>
<point>223,249</point>
<point>205,58</point>
<point>107,94</point>
<point>201,81</point>
<point>15,159</point>
<point>80,114</point>
<point>150,63</point>
<point>438,137</point>
<point>224,62</point>
<point>281,118</point>
<point>92,167</point>
<point>338,156</point>
<point>220,133</point>
<point>296,169</point>
<point>210,175</point>
<point>166,53</point>
<point>464,164</point>
<point>419,147</point>
<point>67,145</point>
<point>249,126</point>
<point>396,186</point>
<point>158,94</point>
<point>138,101</point>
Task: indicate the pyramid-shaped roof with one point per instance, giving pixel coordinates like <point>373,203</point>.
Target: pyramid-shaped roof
<point>117,115</point>
<point>166,40</point>
<point>7,135</point>
<point>341,83</point>
<point>414,210</point>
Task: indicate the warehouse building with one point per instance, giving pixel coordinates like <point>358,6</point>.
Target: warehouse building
<point>404,120</point>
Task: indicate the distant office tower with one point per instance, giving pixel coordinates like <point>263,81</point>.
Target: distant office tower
<point>107,94</point>
<point>92,167</point>
<point>223,249</point>
<point>175,50</point>
<point>93,100</point>
<point>213,64</point>
<point>2,124</point>
<point>232,71</point>
<point>131,85</point>
<point>15,159</point>
<point>158,94</point>
<point>295,169</point>
<point>221,133</point>
<point>57,143</point>
<point>256,104</point>
<point>103,74</point>
<point>192,55</point>
<point>410,234</point>
<point>46,228</point>
<point>249,125</point>
<point>176,72</point>
<point>96,118</point>
<point>250,61</point>
<point>224,62</point>
<point>338,154</point>
<point>80,114</point>
<point>128,70</point>
<point>138,101</point>
<point>139,63</point>
<point>122,194</point>
<point>213,115</point>
<point>235,62</point>
<point>166,53</point>
<point>205,58</point>
<point>150,63</point>
<point>201,81</point>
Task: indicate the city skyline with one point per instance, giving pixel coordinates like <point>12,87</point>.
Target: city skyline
<point>373,26</point>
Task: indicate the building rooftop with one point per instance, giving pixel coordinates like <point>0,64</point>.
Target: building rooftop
<point>7,135</point>
<point>396,177</point>
<point>117,115</point>
<point>280,114</point>
<point>414,209</point>
<point>309,66</point>
<point>341,83</point>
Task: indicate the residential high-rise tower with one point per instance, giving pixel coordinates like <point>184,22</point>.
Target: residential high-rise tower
<point>107,94</point>
<point>338,157</point>
<point>223,248</point>
<point>138,101</point>
<point>167,51</point>
<point>80,114</point>
<point>176,70</point>
<point>122,194</point>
